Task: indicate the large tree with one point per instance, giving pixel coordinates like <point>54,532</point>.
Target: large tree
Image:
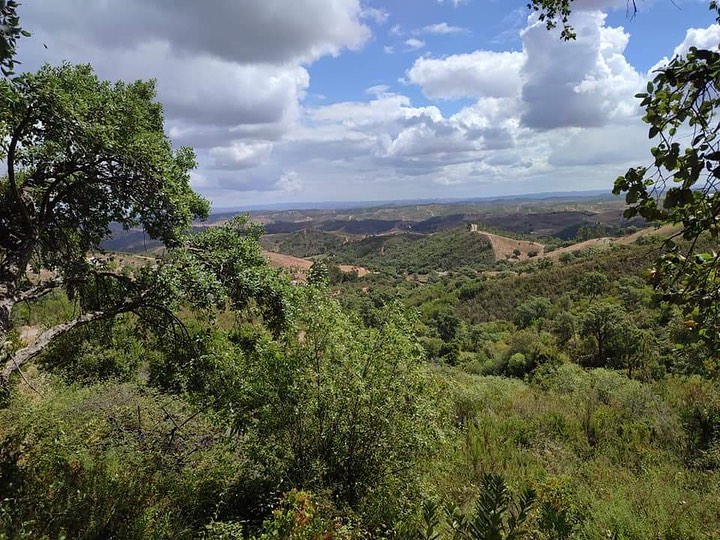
<point>681,184</point>
<point>81,154</point>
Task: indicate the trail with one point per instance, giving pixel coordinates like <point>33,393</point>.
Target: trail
<point>299,267</point>
<point>504,247</point>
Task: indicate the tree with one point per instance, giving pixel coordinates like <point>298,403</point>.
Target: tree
<point>552,12</point>
<point>681,185</point>
<point>593,284</point>
<point>318,273</point>
<point>334,405</point>
<point>10,32</point>
<point>447,324</point>
<point>82,154</point>
<point>603,321</point>
<point>531,310</point>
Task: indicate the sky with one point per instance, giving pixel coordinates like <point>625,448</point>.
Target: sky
<point>364,100</point>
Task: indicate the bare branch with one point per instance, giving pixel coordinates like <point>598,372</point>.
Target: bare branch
<point>39,291</point>
<point>26,354</point>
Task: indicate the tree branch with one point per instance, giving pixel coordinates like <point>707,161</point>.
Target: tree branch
<point>26,354</point>
<point>38,291</point>
<point>12,148</point>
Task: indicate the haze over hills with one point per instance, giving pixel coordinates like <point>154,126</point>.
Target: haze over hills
<point>535,216</point>
<point>337,205</point>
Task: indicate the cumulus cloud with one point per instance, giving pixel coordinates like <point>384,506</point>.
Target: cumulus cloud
<point>289,182</point>
<point>273,31</point>
<point>584,83</point>
<point>240,155</point>
<point>477,74</point>
<point>702,38</point>
<point>231,78</point>
<point>236,87</point>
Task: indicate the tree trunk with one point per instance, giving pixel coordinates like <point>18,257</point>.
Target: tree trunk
<point>22,356</point>
<point>7,302</point>
<point>43,340</point>
<point>12,270</point>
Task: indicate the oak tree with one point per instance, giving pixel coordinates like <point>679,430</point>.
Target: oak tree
<point>79,155</point>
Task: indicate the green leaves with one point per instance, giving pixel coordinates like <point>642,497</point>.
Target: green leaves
<point>10,32</point>
<point>681,107</point>
<point>496,516</point>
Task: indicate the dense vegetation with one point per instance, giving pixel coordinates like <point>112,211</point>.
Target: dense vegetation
<point>419,254</point>
<point>201,394</point>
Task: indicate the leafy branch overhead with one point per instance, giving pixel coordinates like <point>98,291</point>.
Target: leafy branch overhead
<point>554,12</point>
<point>10,32</point>
<point>681,185</point>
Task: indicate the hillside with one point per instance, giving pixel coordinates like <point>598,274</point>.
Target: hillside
<point>418,254</point>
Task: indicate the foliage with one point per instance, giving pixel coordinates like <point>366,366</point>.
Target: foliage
<point>111,461</point>
<point>603,322</point>
<point>318,274</point>
<point>681,103</point>
<point>496,516</point>
<point>531,310</point>
<point>552,12</point>
<point>82,154</point>
<point>681,185</point>
<point>337,406</point>
<point>10,32</point>
<point>417,253</point>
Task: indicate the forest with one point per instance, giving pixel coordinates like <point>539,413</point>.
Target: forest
<point>551,374</point>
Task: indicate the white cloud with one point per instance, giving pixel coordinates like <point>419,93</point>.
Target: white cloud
<point>231,86</point>
<point>584,83</point>
<point>274,31</point>
<point>380,16</point>
<point>240,155</point>
<point>477,74</point>
<point>377,90</point>
<point>414,44</point>
<point>455,3</point>
<point>441,29</point>
<point>289,182</point>
<point>553,116</point>
<point>702,38</point>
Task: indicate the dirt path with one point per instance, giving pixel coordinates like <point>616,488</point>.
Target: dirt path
<point>299,267</point>
<point>361,271</point>
<point>606,242</point>
<point>29,333</point>
<point>504,247</point>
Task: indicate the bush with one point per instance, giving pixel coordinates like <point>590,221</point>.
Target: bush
<point>109,461</point>
<point>339,407</point>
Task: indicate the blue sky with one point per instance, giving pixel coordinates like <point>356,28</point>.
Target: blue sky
<point>342,100</point>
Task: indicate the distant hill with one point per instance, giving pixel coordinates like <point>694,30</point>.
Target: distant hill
<point>313,232</point>
<point>417,253</point>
